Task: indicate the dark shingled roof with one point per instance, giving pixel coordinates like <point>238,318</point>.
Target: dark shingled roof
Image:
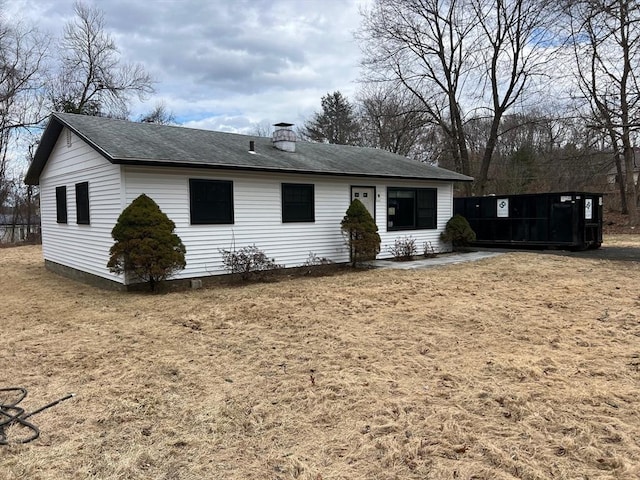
<point>124,142</point>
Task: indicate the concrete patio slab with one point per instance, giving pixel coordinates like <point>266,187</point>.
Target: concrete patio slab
<point>440,259</point>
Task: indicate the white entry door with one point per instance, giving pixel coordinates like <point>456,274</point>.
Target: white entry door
<point>367,195</point>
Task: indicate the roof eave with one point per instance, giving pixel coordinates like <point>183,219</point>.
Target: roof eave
<point>173,164</point>
<point>47,143</point>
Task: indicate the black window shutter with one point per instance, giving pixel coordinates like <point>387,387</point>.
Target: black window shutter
<point>61,204</point>
<point>82,203</point>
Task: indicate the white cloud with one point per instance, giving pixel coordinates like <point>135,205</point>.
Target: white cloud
<point>227,64</point>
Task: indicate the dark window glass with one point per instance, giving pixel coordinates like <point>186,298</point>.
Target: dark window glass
<point>211,201</point>
<point>297,202</point>
<point>411,208</point>
<point>61,204</point>
<point>426,208</point>
<point>82,203</point>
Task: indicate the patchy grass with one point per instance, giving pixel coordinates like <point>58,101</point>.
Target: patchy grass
<point>523,366</point>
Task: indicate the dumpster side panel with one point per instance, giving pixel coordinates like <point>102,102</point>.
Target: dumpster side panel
<point>570,220</point>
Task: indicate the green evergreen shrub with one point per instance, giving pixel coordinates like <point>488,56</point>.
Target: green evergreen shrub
<point>145,246</point>
<point>361,233</point>
<point>458,232</point>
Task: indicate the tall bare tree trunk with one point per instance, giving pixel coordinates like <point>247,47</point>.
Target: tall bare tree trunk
<point>631,196</point>
<point>620,180</point>
<point>606,35</point>
<point>631,199</point>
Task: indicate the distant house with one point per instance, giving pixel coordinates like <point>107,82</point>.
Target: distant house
<point>223,190</point>
<point>612,174</point>
<point>17,229</point>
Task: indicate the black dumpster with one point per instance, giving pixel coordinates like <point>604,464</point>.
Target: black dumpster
<point>568,220</point>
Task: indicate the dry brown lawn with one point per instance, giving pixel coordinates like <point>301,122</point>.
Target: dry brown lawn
<point>522,366</point>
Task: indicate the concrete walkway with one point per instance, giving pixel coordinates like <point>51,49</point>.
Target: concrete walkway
<point>440,259</point>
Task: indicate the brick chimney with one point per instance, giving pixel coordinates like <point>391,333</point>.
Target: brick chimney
<point>284,138</point>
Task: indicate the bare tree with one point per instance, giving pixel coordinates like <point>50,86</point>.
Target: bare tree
<point>392,120</point>
<point>262,129</point>
<point>606,44</point>
<point>512,31</point>
<point>93,80</point>
<point>337,123</point>
<point>160,115</point>
<point>22,56</point>
<point>539,151</point>
<point>457,55</point>
<point>421,46</point>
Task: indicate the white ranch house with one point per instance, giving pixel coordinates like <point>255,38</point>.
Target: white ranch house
<point>223,190</point>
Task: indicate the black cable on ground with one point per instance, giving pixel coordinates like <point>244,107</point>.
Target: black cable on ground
<point>13,415</point>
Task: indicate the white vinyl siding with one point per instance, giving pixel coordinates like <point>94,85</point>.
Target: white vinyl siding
<point>83,247</point>
<point>258,215</point>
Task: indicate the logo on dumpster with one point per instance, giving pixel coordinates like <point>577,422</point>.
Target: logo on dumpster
<point>503,207</point>
<point>588,209</point>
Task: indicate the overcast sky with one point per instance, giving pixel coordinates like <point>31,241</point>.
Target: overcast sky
<point>227,64</point>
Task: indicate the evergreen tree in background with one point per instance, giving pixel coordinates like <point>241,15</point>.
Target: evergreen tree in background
<point>145,245</point>
<point>338,122</point>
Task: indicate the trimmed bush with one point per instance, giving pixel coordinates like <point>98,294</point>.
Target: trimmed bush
<point>458,232</point>
<point>247,261</point>
<point>317,266</point>
<point>403,249</point>
<point>145,246</point>
<point>428,250</point>
<point>314,261</point>
<point>361,233</point>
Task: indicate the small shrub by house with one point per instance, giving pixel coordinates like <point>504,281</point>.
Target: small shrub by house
<point>361,233</point>
<point>458,232</point>
<point>145,246</point>
<point>247,261</point>
<point>403,249</point>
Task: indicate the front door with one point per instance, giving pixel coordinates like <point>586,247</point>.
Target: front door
<point>367,195</point>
